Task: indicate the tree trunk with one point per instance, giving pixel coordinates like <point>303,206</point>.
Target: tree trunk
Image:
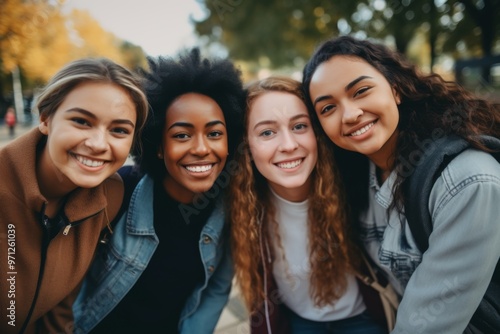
<point>432,33</point>
<point>487,36</point>
<point>484,19</point>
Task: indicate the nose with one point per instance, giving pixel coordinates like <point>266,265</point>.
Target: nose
<point>288,142</point>
<point>97,141</point>
<point>351,114</point>
<point>200,146</point>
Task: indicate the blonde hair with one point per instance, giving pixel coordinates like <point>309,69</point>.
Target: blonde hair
<point>92,70</point>
<point>331,251</point>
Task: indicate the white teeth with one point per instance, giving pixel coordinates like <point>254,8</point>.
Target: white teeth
<point>288,165</point>
<point>362,130</point>
<point>88,162</point>
<point>199,169</point>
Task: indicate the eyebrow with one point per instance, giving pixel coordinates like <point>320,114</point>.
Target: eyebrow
<point>190,125</point>
<point>347,87</point>
<point>274,122</point>
<point>94,117</point>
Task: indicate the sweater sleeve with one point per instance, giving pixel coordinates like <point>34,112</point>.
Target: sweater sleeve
<point>464,248</point>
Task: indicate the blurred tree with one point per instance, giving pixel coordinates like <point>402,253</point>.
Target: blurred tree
<point>280,32</point>
<point>472,25</point>
<point>272,33</point>
<point>20,21</point>
<point>133,56</point>
<point>48,49</point>
<point>37,38</point>
<point>91,39</point>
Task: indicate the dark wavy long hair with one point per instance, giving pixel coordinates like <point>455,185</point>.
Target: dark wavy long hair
<point>430,109</point>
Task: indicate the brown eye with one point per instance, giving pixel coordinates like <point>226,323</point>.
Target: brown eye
<point>80,121</point>
<point>181,136</point>
<point>215,134</point>
<point>361,91</point>
<point>121,131</point>
<point>327,108</point>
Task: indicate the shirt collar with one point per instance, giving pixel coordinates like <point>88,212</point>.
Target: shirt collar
<point>383,193</point>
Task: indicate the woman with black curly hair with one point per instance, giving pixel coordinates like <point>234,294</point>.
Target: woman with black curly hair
<point>371,101</point>
<point>166,266</point>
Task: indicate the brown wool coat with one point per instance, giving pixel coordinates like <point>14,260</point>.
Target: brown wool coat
<point>21,232</point>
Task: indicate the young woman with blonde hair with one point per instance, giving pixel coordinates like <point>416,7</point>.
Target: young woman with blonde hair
<point>293,256</point>
<point>59,189</point>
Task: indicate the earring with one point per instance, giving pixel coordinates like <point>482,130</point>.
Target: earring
<point>160,156</point>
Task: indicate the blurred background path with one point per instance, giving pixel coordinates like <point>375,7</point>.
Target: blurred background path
<point>4,133</point>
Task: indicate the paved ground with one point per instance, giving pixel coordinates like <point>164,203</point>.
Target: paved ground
<point>4,133</point>
<point>234,317</point>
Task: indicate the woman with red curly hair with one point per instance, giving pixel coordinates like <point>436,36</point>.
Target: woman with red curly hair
<point>292,253</point>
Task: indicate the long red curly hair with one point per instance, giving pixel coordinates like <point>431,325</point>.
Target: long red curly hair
<point>332,254</point>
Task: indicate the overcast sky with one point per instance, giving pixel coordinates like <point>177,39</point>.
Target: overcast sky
<point>160,27</point>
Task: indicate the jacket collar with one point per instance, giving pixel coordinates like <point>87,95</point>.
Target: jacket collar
<point>383,193</point>
<point>140,216</point>
<point>20,160</point>
<point>140,213</point>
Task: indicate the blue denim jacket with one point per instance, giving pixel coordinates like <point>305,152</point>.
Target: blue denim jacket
<point>120,262</point>
<point>442,288</point>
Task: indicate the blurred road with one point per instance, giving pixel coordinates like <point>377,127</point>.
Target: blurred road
<point>4,133</point>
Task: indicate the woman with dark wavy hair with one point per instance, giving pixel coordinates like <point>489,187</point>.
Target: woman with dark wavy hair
<point>381,113</point>
<point>167,267</point>
<point>293,257</point>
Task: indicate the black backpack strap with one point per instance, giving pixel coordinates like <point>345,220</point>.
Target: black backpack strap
<point>417,187</point>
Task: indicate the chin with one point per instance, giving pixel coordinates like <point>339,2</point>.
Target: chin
<point>89,183</point>
<point>201,191</point>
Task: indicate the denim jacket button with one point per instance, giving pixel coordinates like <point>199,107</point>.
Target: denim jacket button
<point>207,239</point>
<point>211,269</point>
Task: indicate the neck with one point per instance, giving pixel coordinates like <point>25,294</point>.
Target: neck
<point>177,193</point>
<point>53,185</point>
<point>297,195</point>
<point>53,207</point>
<point>384,157</point>
<point>382,175</point>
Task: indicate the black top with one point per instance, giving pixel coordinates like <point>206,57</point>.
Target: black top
<point>157,299</point>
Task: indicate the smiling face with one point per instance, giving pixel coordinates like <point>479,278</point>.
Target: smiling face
<point>282,143</point>
<point>356,107</point>
<point>194,147</point>
<point>89,138</point>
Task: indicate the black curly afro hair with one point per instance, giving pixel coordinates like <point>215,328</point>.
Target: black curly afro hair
<point>169,78</point>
